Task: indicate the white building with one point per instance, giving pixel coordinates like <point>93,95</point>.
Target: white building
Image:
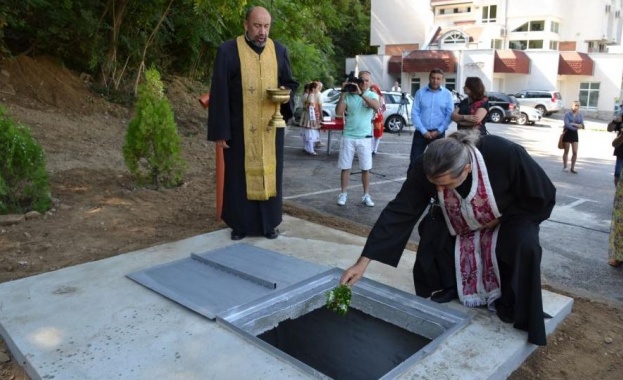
<point>572,46</point>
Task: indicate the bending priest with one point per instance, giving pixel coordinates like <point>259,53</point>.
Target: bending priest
<point>492,196</point>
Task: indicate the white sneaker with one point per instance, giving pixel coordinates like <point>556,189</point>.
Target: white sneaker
<point>341,199</point>
<point>367,200</point>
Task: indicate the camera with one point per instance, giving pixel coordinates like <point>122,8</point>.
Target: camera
<point>353,82</point>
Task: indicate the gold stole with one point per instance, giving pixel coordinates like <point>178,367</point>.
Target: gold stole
<point>259,72</point>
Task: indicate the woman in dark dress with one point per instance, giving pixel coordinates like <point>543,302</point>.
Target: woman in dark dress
<point>573,122</point>
<point>472,111</point>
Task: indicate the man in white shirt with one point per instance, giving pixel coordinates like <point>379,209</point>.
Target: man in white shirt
<point>396,87</point>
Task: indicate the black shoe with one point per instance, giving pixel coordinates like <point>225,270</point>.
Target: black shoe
<point>235,235</point>
<point>272,234</point>
<point>444,296</point>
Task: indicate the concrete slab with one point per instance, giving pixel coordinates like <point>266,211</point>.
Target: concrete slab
<point>91,322</point>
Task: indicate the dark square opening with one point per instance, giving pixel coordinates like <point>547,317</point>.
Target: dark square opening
<point>354,346</point>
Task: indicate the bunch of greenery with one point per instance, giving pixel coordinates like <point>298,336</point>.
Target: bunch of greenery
<point>338,299</point>
<point>24,182</point>
<point>152,148</point>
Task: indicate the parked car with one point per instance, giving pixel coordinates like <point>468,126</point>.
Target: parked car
<point>546,101</point>
<point>502,107</point>
<point>529,115</point>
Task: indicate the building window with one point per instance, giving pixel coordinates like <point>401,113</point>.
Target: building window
<point>489,13</point>
<point>617,14</point>
<point>589,94</point>
<point>451,84</point>
<point>442,11</point>
<point>553,45</point>
<point>525,44</point>
<point>455,38</point>
<point>518,44</point>
<point>555,27</point>
<point>607,8</point>
<point>535,44</point>
<point>531,26</point>
<point>496,44</point>
<point>415,85</point>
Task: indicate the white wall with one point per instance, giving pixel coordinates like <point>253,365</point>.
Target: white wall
<point>475,63</point>
<point>399,22</point>
<point>376,65</point>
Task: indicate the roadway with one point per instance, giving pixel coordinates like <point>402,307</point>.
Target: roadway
<point>574,239</point>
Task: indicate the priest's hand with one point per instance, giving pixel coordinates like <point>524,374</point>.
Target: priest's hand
<point>221,144</point>
<point>354,273</point>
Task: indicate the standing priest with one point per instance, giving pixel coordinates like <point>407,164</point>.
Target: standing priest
<point>238,118</point>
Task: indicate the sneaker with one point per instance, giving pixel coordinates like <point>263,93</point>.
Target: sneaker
<point>341,199</point>
<point>367,200</point>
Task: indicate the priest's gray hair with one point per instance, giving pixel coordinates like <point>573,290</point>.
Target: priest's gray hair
<point>451,154</point>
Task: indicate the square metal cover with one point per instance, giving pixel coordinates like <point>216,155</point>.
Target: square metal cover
<point>212,282</point>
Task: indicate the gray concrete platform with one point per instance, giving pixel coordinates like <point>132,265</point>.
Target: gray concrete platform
<point>91,322</point>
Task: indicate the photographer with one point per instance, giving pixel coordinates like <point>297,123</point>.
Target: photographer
<point>360,103</point>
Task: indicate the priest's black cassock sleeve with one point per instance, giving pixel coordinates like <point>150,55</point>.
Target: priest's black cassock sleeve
<point>524,195</point>
<point>225,122</point>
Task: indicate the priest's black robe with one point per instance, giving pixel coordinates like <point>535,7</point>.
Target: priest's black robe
<point>525,196</point>
<point>225,122</point>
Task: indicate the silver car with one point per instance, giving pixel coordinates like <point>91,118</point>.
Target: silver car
<point>529,115</point>
<point>397,113</point>
<point>546,101</point>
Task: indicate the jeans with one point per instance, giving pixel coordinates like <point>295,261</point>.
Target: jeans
<point>419,146</point>
<point>618,166</point>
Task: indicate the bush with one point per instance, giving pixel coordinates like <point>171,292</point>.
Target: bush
<point>152,149</point>
<point>24,182</point>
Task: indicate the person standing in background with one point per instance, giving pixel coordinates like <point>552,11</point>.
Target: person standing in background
<point>377,120</point>
<point>396,87</point>
<point>431,112</point>
<point>472,111</point>
<point>360,103</point>
<point>312,109</point>
<point>573,122</point>
<point>239,113</point>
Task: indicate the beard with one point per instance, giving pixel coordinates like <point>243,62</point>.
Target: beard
<point>256,43</point>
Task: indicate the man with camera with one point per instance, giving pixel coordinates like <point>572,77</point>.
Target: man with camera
<point>432,108</point>
<point>360,103</point>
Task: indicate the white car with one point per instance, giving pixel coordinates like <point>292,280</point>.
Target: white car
<point>529,115</point>
<point>397,113</point>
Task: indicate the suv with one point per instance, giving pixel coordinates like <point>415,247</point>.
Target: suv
<point>545,101</point>
<point>502,107</point>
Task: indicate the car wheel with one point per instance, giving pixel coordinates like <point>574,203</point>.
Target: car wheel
<point>542,110</point>
<point>523,119</point>
<point>495,116</point>
<point>394,123</point>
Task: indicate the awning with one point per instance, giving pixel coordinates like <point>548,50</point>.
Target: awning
<point>423,61</point>
<point>575,63</point>
<point>511,61</point>
<point>394,66</point>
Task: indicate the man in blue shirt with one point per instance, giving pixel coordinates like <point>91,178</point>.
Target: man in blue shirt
<point>431,111</point>
<point>360,103</point>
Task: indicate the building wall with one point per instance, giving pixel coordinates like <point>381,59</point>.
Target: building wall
<point>399,22</point>
<point>376,65</point>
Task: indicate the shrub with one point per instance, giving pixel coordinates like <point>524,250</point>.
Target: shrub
<point>24,182</point>
<point>152,148</point>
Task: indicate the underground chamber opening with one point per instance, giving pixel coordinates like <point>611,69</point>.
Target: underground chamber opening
<point>354,346</point>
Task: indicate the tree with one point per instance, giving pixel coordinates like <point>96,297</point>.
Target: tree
<point>24,182</point>
<point>152,149</point>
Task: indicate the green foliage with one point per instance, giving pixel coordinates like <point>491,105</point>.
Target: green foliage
<point>107,38</point>
<point>338,299</point>
<point>23,180</point>
<point>152,148</point>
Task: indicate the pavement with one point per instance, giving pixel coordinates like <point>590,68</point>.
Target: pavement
<point>92,322</point>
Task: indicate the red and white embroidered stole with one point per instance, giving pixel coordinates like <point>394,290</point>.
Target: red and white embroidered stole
<point>477,273</point>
